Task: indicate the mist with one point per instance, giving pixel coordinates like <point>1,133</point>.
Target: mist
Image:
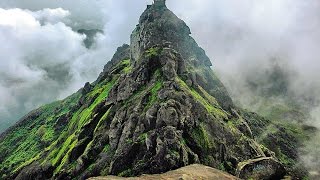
<point>44,58</point>
<point>266,53</point>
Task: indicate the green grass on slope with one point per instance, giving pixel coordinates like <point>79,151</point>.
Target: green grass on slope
<point>282,137</point>
<point>202,137</point>
<point>25,142</point>
<point>209,102</point>
<point>127,64</point>
<point>39,139</point>
<point>59,154</point>
<point>152,52</point>
<point>154,93</point>
<point>84,116</point>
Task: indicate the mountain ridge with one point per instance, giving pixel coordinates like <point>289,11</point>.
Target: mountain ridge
<point>156,106</point>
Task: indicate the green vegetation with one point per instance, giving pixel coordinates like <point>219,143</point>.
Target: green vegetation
<point>103,119</point>
<point>152,52</point>
<point>42,138</point>
<point>127,66</point>
<point>67,155</point>
<point>201,137</point>
<point>79,119</point>
<point>154,93</point>
<point>46,134</point>
<point>126,173</point>
<point>278,109</point>
<point>73,127</point>
<point>153,90</point>
<point>106,148</point>
<point>232,125</point>
<point>27,162</point>
<point>214,109</point>
<point>142,137</point>
<point>137,94</point>
<point>25,143</point>
<point>64,148</point>
<point>83,116</point>
<point>284,158</point>
<point>282,137</point>
<point>221,167</point>
<point>286,136</point>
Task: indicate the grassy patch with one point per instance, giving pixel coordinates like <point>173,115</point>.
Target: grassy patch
<point>152,52</point>
<point>211,108</point>
<point>102,120</point>
<point>201,136</point>
<point>66,156</point>
<point>154,94</point>
<point>81,118</point>
<point>38,139</point>
<point>106,148</point>
<point>28,141</point>
<point>127,66</point>
<point>126,173</point>
<point>63,150</point>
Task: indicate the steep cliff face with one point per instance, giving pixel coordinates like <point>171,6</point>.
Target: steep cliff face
<point>156,106</point>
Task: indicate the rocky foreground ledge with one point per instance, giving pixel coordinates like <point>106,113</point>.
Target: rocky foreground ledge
<point>195,171</point>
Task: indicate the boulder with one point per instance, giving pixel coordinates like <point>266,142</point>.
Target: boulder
<point>195,171</point>
<point>266,168</point>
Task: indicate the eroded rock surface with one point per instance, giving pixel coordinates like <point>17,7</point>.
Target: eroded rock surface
<point>157,106</point>
<point>261,168</point>
<point>191,172</point>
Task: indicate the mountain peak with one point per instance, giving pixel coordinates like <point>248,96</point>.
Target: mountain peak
<point>159,2</point>
<point>160,26</point>
<point>157,106</point>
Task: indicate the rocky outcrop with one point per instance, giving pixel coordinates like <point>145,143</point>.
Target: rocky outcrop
<point>158,25</point>
<point>157,106</point>
<point>123,52</point>
<point>261,168</point>
<point>195,171</point>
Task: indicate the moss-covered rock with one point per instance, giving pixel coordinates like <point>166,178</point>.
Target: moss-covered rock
<point>157,106</point>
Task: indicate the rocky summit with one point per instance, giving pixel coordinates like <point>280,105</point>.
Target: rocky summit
<point>157,106</point>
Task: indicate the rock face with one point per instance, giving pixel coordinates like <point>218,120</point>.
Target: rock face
<point>159,2</point>
<point>262,168</point>
<point>191,172</point>
<point>157,106</point>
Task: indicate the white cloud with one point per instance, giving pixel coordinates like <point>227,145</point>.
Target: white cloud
<point>16,17</point>
<point>33,45</point>
<point>51,15</point>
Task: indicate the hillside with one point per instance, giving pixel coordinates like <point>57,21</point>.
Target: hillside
<point>157,106</point>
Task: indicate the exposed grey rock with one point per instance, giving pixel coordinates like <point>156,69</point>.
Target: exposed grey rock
<point>262,168</point>
<point>166,111</point>
<point>123,52</point>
